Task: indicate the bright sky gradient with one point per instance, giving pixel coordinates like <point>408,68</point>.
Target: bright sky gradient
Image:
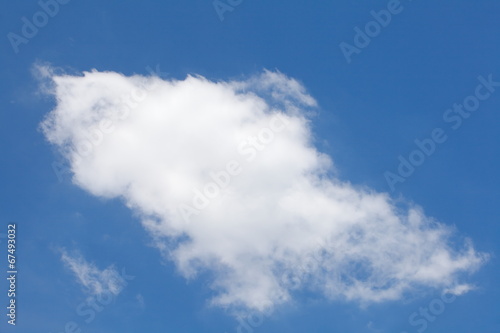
<point>350,92</point>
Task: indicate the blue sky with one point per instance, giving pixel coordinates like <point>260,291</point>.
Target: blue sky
<point>395,90</point>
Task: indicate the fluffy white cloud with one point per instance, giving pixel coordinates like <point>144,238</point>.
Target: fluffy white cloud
<point>228,182</point>
<point>94,280</point>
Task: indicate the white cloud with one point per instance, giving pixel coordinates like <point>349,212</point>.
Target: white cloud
<point>459,289</point>
<point>227,180</point>
<point>94,280</point>
<point>140,301</point>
